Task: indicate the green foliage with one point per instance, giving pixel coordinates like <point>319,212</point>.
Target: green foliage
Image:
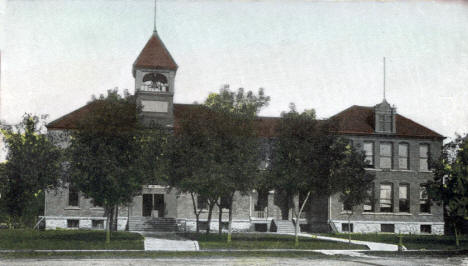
<point>67,239</point>
<point>33,166</point>
<point>450,185</point>
<point>110,155</point>
<point>307,157</point>
<point>215,151</point>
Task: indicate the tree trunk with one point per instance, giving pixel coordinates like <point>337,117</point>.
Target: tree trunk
<point>298,215</point>
<point>457,240</point>
<point>109,215</point>
<point>220,219</point>
<point>210,211</point>
<point>229,238</point>
<point>349,226</point>
<point>197,214</point>
<point>116,219</point>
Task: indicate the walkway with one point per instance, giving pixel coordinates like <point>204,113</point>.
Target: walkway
<point>375,246</point>
<point>155,243</point>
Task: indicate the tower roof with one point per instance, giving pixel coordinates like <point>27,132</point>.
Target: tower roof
<point>155,56</point>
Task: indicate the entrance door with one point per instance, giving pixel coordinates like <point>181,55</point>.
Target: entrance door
<point>159,204</point>
<point>153,202</point>
<point>147,204</point>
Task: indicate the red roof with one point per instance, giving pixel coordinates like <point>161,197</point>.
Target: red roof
<point>359,120</point>
<point>356,120</point>
<point>155,56</point>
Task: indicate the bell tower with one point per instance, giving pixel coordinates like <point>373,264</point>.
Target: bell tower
<point>154,71</point>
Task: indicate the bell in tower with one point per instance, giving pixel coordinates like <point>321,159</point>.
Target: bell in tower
<point>154,71</point>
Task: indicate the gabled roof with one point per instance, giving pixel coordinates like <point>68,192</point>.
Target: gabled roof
<point>360,120</point>
<point>356,120</point>
<point>155,56</point>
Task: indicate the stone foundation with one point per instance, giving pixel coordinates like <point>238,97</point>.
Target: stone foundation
<point>52,223</point>
<point>400,227</point>
<point>237,225</point>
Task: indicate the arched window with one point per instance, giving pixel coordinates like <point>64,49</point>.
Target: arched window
<point>155,82</point>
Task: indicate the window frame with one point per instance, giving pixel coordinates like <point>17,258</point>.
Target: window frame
<point>424,158</point>
<point>371,202</point>
<point>405,158</point>
<point>73,190</point>
<point>407,199</point>
<point>70,223</point>
<point>372,155</point>
<point>391,208</point>
<point>390,157</point>
<point>424,201</point>
<point>202,203</point>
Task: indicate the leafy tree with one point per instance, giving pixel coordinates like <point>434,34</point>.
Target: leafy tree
<point>450,185</point>
<point>111,156</point>
<point>217,154</point>
<point>308,159</point>
<point>33,165</point>
<point>355,188</point>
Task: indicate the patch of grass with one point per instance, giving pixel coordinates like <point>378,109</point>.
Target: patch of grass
<point>264,241</point>
<point>68,239</point>
<point>163,254</point>
<point>412,242</point>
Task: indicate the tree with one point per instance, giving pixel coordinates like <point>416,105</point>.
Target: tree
<point>355,188</point>
<point>111,156</point>
<point>218,150</point>
<point>308,159</point>
<point>33,166</point>
<point>450,184</point>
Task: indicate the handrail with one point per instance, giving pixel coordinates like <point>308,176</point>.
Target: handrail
<point>40,220</point>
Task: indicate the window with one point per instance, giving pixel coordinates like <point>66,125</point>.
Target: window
<point>155,82</point>
<point>403,201</point>
<point>369,203</point>
<point>403,151</point>
<point>262,201</point>
<point>97,224</point>
<point>387,228</point>
<point>385,123</point>
<point>347,207</point>
<point>201,202</point>
<point>261,228</point>
<point>369,151</point>
<point>73,223</point>
<point>386,198</point>
<point>345,227</point>
<point>386,155</point>
<point>424,203</point>
<point>73,196</point>
<point>423,157</point>
<point>426,228</point>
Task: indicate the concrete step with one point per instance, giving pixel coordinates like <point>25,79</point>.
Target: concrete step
<point>162,224</point>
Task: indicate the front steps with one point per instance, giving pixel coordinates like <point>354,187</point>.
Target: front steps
<point>284,226</point>
<point>139,223</point>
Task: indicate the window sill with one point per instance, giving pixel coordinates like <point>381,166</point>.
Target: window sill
<point>346,212</point>
<point>425,171</point>
<point>96,208</point>
<point>425,214</point>
<point>72,208</point>
<point>373,169</point>
<point>402,170</point>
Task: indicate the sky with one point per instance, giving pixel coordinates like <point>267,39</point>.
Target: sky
<point>325,55</point>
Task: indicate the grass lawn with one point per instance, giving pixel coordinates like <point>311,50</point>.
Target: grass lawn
<point>412,242</point>
<point>264,241</point>
<point>68,239</point>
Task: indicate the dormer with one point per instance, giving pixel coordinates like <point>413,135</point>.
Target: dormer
<point>385,118</point>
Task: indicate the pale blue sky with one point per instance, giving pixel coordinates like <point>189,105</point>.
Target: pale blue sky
<point>318,54</point>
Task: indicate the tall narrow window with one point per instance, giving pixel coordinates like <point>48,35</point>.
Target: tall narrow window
<point>386,155</point>
<point>424,203</point>
<point>386,198</point>
<point>369,203</point>
<point>423,157</point>
<point>403,151</point>
<point>202,202</point>
<point>403,201</point>
<point>369,151</point>
<point>73,196</point>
